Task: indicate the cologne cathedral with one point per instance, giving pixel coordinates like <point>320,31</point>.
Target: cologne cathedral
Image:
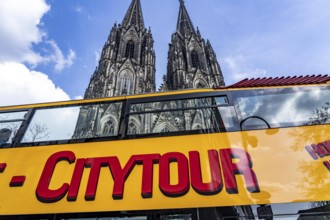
<point>127,66</point>
<point>127,63</point>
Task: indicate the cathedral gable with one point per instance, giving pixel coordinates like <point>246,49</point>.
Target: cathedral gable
<point>165,121</point>
<point>200,80</point>
<point>194,45</point>
<point>131,34</point>
<point>198,121</point>
<point>127,65</point>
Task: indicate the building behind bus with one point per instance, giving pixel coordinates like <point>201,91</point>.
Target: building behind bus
<point>127,67</point>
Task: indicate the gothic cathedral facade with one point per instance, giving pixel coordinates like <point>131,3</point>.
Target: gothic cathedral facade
<point>192,62</point>
<point>127,66</point>
<point>127,63</point>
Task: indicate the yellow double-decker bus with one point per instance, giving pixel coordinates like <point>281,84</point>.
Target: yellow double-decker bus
<point>259,149</point>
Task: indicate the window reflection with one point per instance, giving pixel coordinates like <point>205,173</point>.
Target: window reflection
<point>283,107</point>
<point>180,116</point>
<point>175,104</point>
<point>287,211</point>
<point>86,121</point>
<point>12,115</point>
<point>10,123</point>
<point>47,124</point>
<point>203,120</point>
<point>7,132</point>
<point>229,118</point>
<point>108,218</point>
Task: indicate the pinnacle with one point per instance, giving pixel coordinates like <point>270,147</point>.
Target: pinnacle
<point>134,15</point>
<point>184,24</point>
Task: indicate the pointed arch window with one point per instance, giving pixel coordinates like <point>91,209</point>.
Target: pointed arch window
<point>129,53</point>
<point>109,127</point>
<point>125,85</point>
<point>195,59</point>
<point>200,85</point>
<point>165,130</point>
<point>132,129</point>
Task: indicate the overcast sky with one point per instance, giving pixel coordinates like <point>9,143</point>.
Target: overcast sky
<point>49,48</point>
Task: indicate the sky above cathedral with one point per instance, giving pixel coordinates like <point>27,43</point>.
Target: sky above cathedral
<point>50,48</point>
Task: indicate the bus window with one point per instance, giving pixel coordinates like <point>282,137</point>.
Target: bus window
<point>172,104</point>
<point>198,115</point>
<point>10,122</point>
<point>74,122</point>
<point>283,107</point>
<point>12,116</point>
<point>227,113</point>
<point>107,218</point>
<point>100,120</point>
<point>229,117</point>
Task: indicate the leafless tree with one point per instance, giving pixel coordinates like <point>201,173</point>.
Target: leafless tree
<point>321,115</point>
<point>37,132</point>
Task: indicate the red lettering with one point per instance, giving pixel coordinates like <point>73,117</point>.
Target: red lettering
<point>120,175</point>
<point>148,161</point>
<point>95,164</point>
<point>244,166</point>
<point>76,179</point>
<point>43,193</point>
<point>326,148</point>
<point>215,185</point>
<point>182,187</point>
<point>316,151</point>
<point>327,164</point>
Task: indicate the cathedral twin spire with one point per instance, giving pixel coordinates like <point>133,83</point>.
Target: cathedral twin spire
<point>127,62</point>
<point>191,60</point>
<point>184,24</point>
<point>134,16</point>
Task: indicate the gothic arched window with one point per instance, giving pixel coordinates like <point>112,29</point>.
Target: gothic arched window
<point>132,129</point>
<point>200,85</point>
<point>165,130</point>
<point>125,85</point>
<point>129,53</point>
<point>194,59</point>
<point>109,127</point>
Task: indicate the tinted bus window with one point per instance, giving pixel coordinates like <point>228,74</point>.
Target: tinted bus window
<point>298,106</point>
<point>64,123</point>
<point>199,115</point>
<point>177,104</point>
<point>10,123</point>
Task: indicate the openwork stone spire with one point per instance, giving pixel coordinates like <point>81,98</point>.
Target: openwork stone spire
<point>184,25</point>
<point>126,67</point>
<point>127,62</point>
<point>134,16</point>
<point>191,62</point>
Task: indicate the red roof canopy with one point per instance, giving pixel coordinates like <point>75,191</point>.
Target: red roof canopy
<point>280,81</point>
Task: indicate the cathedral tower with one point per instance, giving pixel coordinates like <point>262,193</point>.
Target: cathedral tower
<point>127,62</point>
<point>126,66</point>
<point>192,62</point>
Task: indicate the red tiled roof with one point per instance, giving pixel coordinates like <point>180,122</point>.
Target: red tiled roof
<point>280,81</point>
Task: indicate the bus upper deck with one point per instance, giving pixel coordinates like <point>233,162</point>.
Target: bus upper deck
<point>232,149</point>
<point>162,114</point>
